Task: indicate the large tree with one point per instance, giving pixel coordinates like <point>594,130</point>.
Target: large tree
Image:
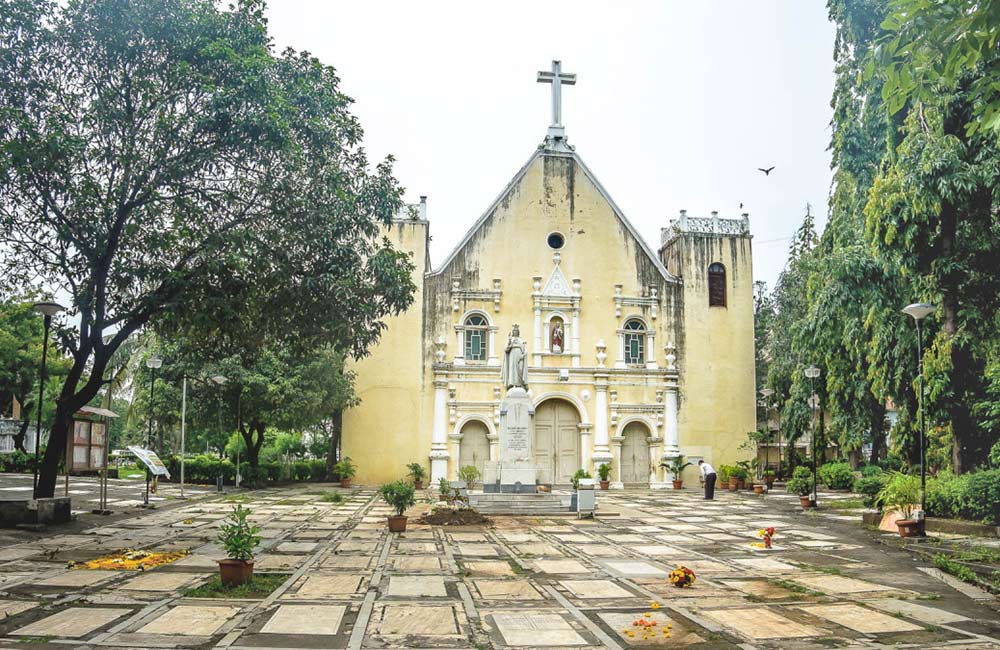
<point>160,164</point>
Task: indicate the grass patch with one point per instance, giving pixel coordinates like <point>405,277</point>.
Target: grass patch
<point>332,497</point>
<point>129,472</point>
<point>237,498</point>
<point>846,504</point>
<point>963,573</point>
<point>794,587</point>
<point>833,571</point>
<point>259,586</point>
<point>518,569</point>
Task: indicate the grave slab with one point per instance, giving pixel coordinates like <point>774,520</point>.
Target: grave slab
<point>595,589</point>
<point>305,619</point>
<point>74,622</point>
<point>417,586</point>
<point>924,613</point>
<point>322,587</point>
<point>761,623</point>
<point>536,630</point>
<point>428,620</point>
<point>507,590</point>
<point>190,620</point>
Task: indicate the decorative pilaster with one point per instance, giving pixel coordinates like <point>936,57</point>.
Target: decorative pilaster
<point>616,468</point>
<point>459,346</point>
<point>585,447</point>
<point>439,434</point>
<point>537,349</point>
<point>602,452</point>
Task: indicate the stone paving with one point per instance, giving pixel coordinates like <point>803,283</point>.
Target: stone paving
<point>540,582</point>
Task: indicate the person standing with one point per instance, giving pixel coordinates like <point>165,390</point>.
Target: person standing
<point>708,476</point>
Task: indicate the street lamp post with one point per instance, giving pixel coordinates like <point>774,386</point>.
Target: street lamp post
<point>767,393</point>
<point>152,363</point>
<point>920,311</point>
<point>48,310</point>
<point>219,380</point>
<point>812,372</point>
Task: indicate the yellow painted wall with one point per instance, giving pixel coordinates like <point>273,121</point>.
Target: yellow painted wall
<point>389,428</point>
<point>717,405</point>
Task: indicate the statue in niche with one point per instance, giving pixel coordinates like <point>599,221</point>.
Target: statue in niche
<point>556,336</point>
<point>514,371</point>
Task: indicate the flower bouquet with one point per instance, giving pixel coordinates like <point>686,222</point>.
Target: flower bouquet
<point>766,534</point>
<point>681,577</point>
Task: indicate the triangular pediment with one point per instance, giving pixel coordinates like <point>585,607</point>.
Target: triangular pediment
<point>557,286</point>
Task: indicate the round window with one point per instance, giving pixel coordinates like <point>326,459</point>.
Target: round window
<point>556,240</point>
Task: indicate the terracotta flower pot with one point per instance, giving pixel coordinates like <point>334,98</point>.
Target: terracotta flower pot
<point>345,482</point>
<point>734,483</point>
<point>769,481</point>
<point>418,485</point>
<point>806,501</point>
<point>678,484</point>
<point>908,527</point>
<point>605,484</point>
<point>234,573</point>
<point>758,488</point>
<point>397,524</point>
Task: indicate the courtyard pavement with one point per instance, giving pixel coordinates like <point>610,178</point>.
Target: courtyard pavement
<point>540,582</point>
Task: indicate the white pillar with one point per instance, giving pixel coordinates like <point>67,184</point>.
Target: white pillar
<point>492,359</point>
<point>651,351</point>
<point>538,334</point>
<point>584,430</point>
<point>575,341</point>
<point>602,452</point>
<point>616,470</point>
<point>671,432</point>
<point>459,347</point>
<point>439,434</point>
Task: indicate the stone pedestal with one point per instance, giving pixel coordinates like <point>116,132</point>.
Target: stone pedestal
<point>514,470</point>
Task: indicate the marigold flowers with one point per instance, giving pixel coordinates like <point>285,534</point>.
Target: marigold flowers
<point>766,534</point>
<point>681,577</point>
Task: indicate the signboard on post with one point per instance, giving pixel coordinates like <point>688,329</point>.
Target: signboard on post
<point>151,461</point>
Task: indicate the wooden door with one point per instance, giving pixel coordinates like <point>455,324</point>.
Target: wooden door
<point>475,446</point>
<point>635,455</point>
<point>557,441</point>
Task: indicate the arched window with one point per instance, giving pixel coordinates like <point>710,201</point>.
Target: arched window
<point>476,343</point>
<point>716,285</point>
<point>635,342</point>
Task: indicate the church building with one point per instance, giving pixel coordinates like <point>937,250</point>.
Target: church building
<point>636,354</point>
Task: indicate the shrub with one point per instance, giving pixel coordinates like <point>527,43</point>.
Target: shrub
<point>253,476</point>
<point>580,473</point>
<point>417,472</point>
<point>317,469</point>
<point>724,472</point>
<point>604,471</point>
<point>469,474</point>
<point>444,486</point>
<point>345,468</point>
<point>302,470</point>
<point>868,471</point>
<point>239,536</point>
<point>892,462</point>
<point>870,486</point>
<point>801,482</point>
<point>399,495</point>
<point>974,496</point>
<point>901,493</point>
<point>837,476</point>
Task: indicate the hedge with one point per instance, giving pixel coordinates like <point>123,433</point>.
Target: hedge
<point>205,469</point>
<point>837,476</point>
<point>974,496</point>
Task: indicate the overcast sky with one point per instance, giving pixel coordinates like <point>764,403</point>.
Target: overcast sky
<point>676,104</point>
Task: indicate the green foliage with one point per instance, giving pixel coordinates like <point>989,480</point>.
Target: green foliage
<point>974,496</point>
<point>469,474</point>
<point>837,476</point>
<point>259,586</point>
<point>417,471</point>
<point>345,468</point>
<point>724,472</point>
<point>399,495</point>
<point>867,471</point>
<point>604,471</point>
<point>801,482</point>
<point>444,486</point>
<point>677,465</point>
<point>238,536</point>
<point>17,461</point>
<point>901,493</point>
<point>932,47</point>
<point>579,474</point>
<point>332,497</point>
<point>870,486</point>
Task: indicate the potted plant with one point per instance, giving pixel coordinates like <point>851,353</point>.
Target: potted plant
<point>240,538</point>
<point>676,467</point>
<point>580,473</point>
<point>901,494</point>
<point>604,472</point>
<point>743,474</point>
<point>417,473</point>
<point>346,470</point>
<point>801,484</point>
<point>399,495</point>
<point>444,490</point>
<point>769,478</point>
<point>723,476</point>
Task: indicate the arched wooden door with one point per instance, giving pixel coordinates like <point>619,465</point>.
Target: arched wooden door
<point>475,446</point>
<point>557,441</point>
<point>635,454</point>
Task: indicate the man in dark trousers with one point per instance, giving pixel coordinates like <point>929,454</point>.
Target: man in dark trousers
<point>708,476</point>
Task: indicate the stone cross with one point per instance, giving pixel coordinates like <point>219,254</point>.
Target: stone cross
<point>557,78</point>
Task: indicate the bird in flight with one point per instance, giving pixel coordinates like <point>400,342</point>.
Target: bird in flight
<point>767,172</point>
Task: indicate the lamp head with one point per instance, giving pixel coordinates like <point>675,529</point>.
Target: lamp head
<point>919,310</point>
<point>812,372</point>
<point>219,379</point>
<point>154,362</point>
<point>767,392</point>
<point>49,309</point>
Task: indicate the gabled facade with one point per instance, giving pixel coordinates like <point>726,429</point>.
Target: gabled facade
<point>630,364</point>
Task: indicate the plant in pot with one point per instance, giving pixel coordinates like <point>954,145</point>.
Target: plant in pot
<point>801,484</point>
<point>676,467</point>
<point>769,478</point>
<point>604,472</point>
<point>722,476</point>
<point>580,473</point>
<point>902,494</point>
<point>743,473</point>
<point>239,537</point>
<point>346,470</point>
<point>417,473</point>
<point>399,495</point>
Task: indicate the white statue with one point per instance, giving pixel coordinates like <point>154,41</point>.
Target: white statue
<point>514,371</point>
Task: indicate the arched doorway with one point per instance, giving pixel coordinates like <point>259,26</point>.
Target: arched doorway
<point>635,454</point>
<point>557,441</point>
<point>475,446</point>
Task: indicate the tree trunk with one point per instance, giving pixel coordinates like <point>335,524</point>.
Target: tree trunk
<point>333,452</point>
<point>253,443</point>
<point>21,435</point>
<point>877,428</point>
